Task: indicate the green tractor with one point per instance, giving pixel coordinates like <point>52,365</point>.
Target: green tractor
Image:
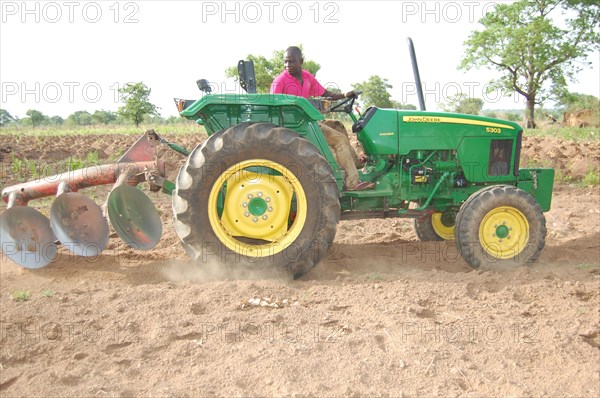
<point>265,192</point>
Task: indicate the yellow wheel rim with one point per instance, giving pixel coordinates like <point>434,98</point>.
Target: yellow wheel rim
<point>257,207</point>
<point>443,230</point>
<point>504,232</point>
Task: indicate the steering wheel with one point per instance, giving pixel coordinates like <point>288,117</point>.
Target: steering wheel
<point>346,104</point>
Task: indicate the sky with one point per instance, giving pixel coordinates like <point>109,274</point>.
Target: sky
<point>64,56</point>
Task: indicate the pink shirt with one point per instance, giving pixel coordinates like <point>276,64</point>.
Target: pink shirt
<point>287,84</point>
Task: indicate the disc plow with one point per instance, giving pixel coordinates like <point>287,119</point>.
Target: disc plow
<point>31,239</point>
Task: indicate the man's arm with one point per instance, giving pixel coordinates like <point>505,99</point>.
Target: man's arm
<point>317,90</point>
<point>338,96</point>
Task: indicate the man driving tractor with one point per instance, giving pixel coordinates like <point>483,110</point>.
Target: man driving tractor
<point>296,81</point>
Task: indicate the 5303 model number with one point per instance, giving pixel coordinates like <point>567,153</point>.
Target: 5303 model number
<point>493,130</point>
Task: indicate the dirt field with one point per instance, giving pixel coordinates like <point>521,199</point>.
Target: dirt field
<point>383,315</point>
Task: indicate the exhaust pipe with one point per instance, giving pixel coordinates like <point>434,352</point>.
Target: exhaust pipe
<point>415,67</point>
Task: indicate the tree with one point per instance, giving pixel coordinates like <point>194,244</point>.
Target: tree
<point>135,96</point>
<point>461,103</point>
<point>56,121</point>
<point>571,102</point>
<point>533,55</point>
<point>175,120</point>
<point>470,106</point>
<point>512,116</point>
<point>409,107</point>
<point>375,93</point>
<point>79,118</point>
<point>37,118</point>
<point>5,118</point>
<point>265,70</point>
<point>103,117</point>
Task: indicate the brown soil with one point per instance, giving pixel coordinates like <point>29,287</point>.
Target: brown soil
<point>383,315</point>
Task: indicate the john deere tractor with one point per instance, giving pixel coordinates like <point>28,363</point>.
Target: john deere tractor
<point>265,192</point>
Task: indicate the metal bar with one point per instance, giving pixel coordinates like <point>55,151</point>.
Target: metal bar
<point>21,194</point>
<point>435,189</point>
<point>177,148</point>
<point>376,214</point>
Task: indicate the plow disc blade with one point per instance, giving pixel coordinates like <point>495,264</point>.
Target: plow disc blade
<point>79,224</point>
<point>26,237</point>
<point>134,217</point>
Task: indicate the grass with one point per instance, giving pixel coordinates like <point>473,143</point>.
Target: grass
<point>29,169</point>
<point>592,178</point>
<point>306,295</point>
<point>559,176</point>
<point>375,276</point>
<point>182,128</point>
<point>587,266</point>
<point>92,158</point>
<point>25,295</point>
<point>534,163</point>
<point>16,164</point>
<point>566,133</point>
<point>21,295</point>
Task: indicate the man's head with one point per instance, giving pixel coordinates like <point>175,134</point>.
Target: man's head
<point>292,60</point>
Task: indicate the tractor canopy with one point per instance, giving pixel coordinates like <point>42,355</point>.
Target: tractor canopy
<point>220,111</point>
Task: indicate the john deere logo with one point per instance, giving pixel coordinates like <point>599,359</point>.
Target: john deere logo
<point>422,119</point>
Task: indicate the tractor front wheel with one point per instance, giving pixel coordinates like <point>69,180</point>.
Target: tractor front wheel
<point>500,226</point>
<point>257,197</point>
<point>436,226</point>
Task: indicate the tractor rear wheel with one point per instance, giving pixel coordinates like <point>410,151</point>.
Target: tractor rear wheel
<point>257,197</point>
<point>500,226</point>
<point>436,226</point>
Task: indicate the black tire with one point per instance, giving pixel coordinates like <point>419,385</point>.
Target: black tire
<point>500,226</point>
<point>435,226</point>
<point>264,163</point>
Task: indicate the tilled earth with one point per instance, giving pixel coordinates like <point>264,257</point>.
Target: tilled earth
<point>383,315</point>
